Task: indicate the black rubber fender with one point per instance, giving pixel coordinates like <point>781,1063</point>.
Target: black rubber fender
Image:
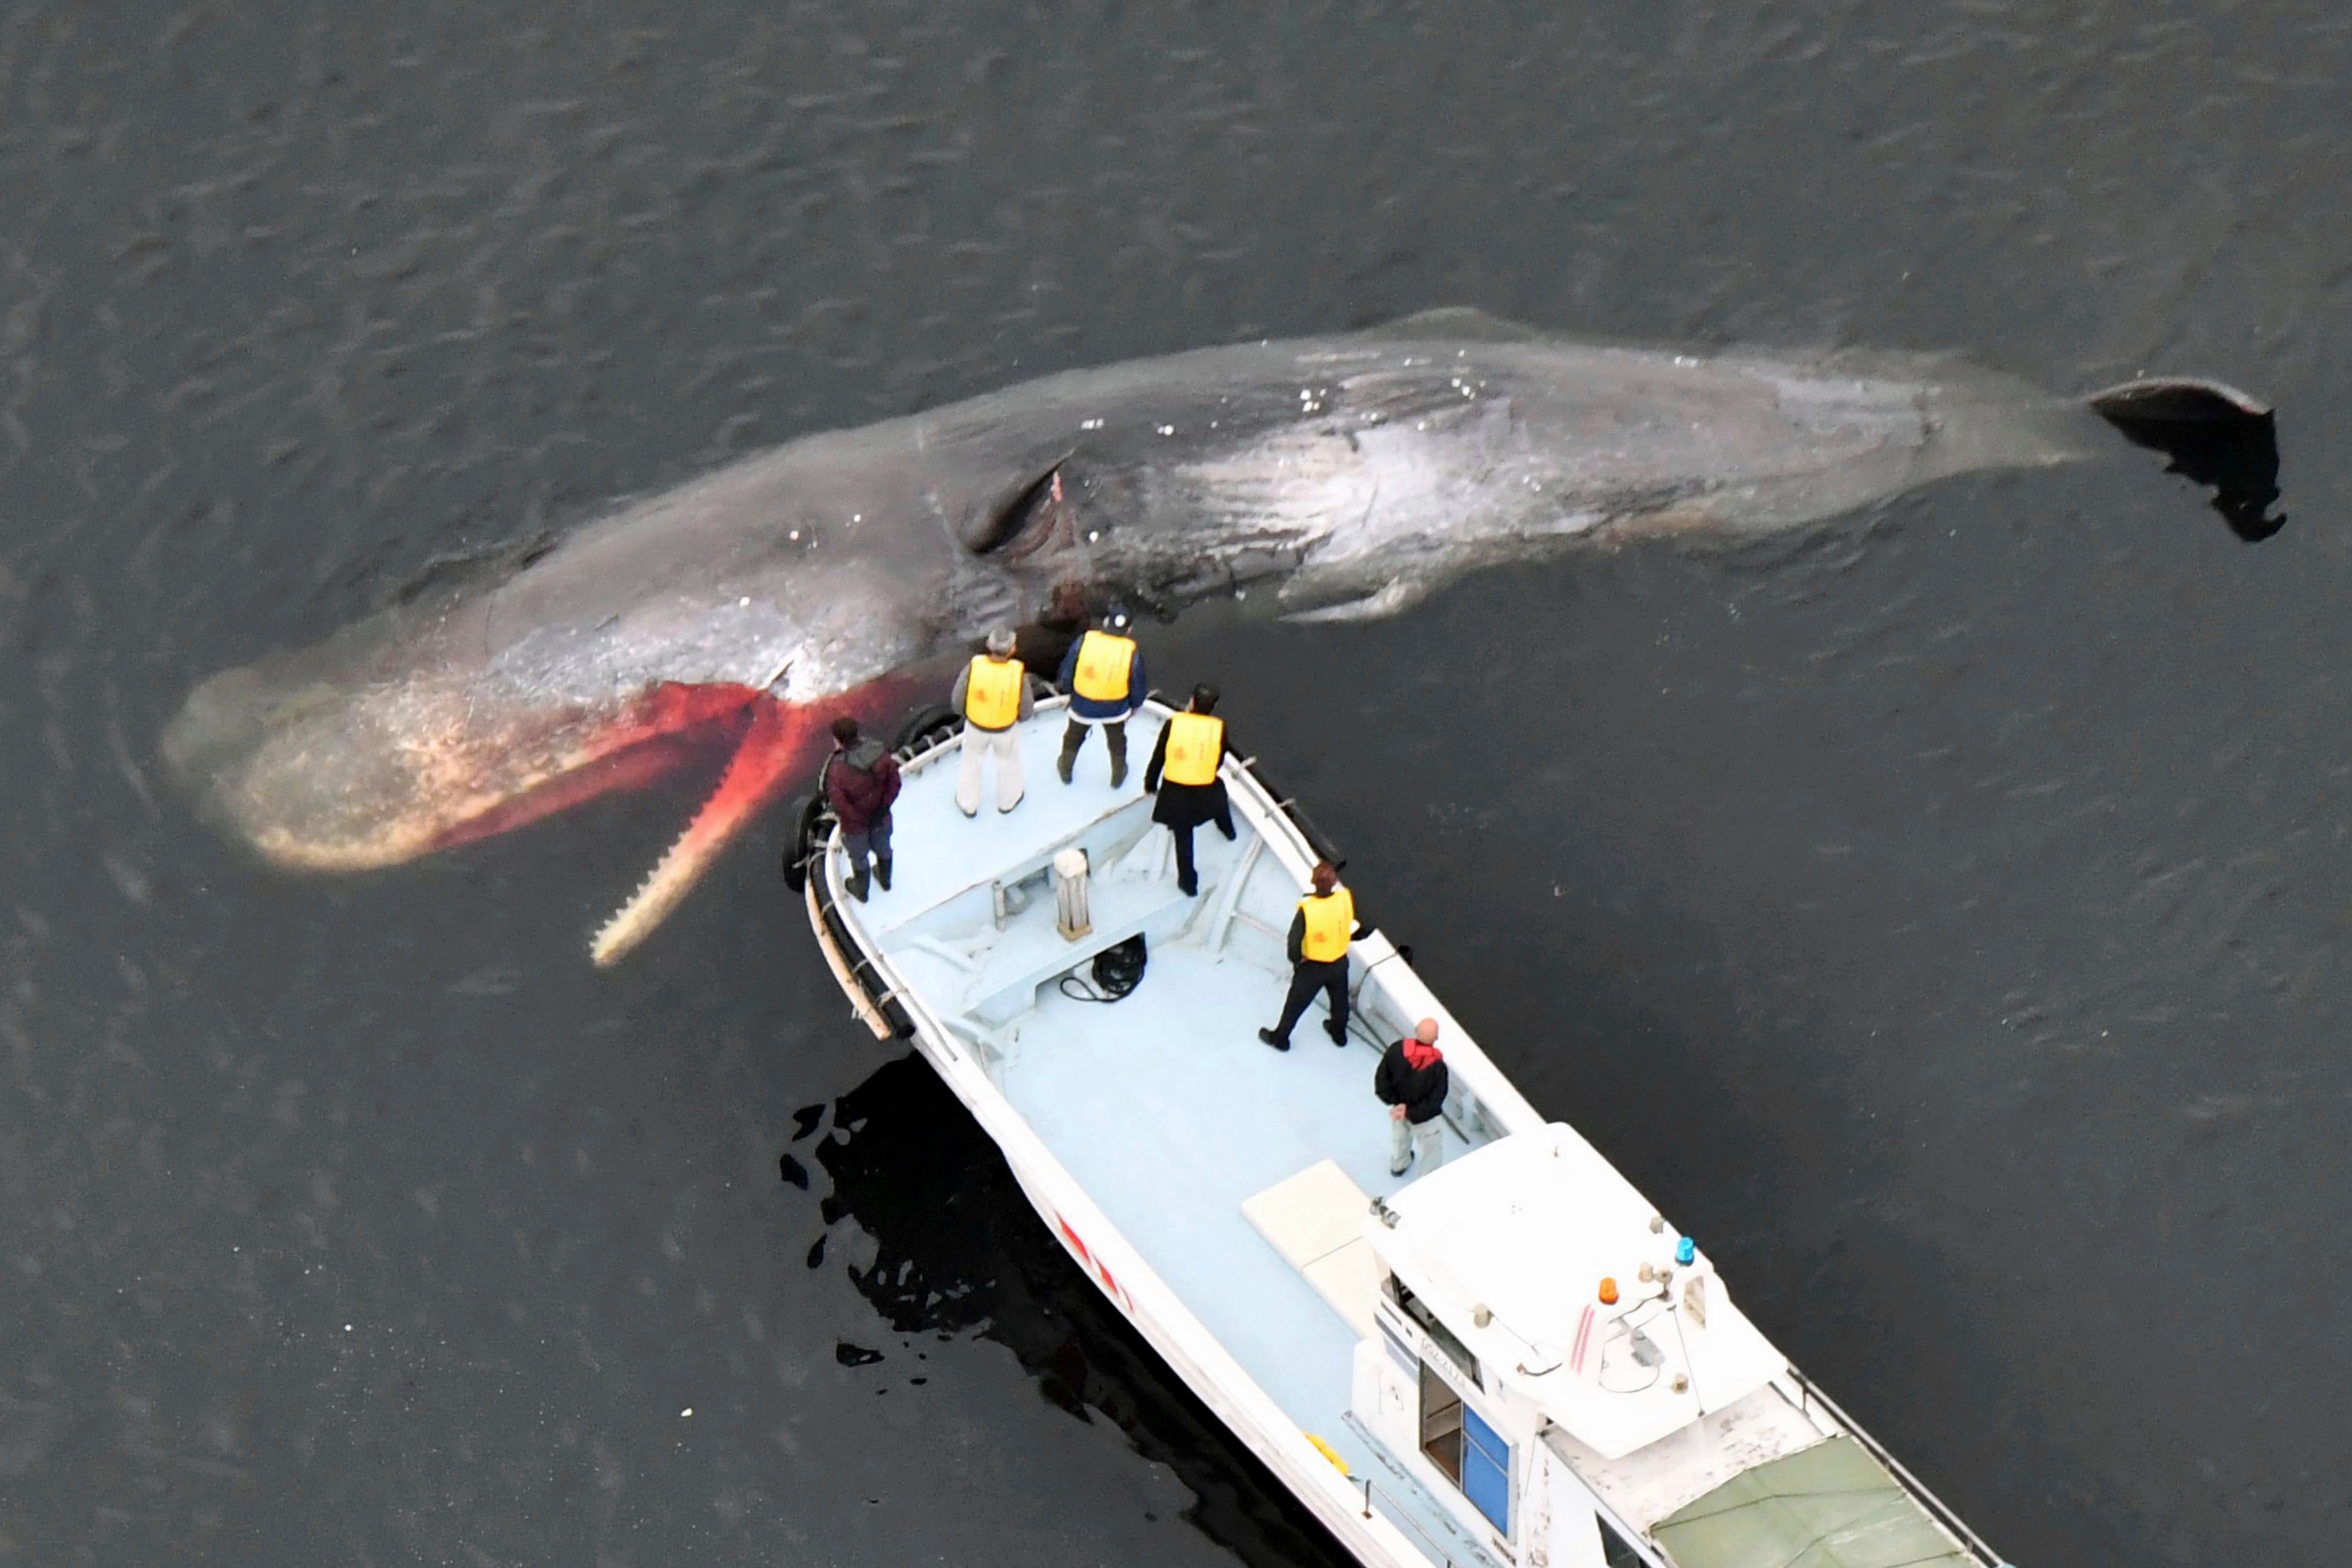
<point>924,728</point>
<point>812,821</point>
<point>1317,840</point>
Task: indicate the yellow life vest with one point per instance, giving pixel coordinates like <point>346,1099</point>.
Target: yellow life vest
<point>992,693</point>
<point>1329,923</point>
<point>1195,741</point>
<point>1103,663</point>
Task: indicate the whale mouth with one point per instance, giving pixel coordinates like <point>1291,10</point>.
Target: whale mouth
<point>2212,435</point>
<point>776,744</point>
<point>317,777</point>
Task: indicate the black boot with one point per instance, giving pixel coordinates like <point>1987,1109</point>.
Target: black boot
<point>856,886</point>
<point>1271,1038</point>
<point>882,871</point>
<point>1115,737</point>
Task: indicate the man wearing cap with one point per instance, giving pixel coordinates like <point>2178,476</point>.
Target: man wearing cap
<point>1319,934</point>
<point>1103,673</point>
<point>1411,1081</point>
<point>992,695</point>
<point>1182,773</point>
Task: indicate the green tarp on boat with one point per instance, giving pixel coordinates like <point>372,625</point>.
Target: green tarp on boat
<point>1830,1506</point>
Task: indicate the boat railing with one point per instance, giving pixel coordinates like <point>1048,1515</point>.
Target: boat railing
<point>1397,1514</point>
<point>1810,1393</point>
<point>1288,804</point>
<point>875,1001</point>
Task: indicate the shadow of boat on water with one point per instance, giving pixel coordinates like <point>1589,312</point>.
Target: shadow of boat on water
<point>959,1250</point>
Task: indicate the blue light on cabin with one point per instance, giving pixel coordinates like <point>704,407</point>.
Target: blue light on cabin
<point>1685,1252</point>
<point>1486,1470</point>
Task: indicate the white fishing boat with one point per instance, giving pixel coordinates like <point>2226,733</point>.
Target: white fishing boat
<point>1432,1363</point>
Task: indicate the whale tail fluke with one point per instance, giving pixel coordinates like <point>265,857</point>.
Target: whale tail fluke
<point>2212,434</point>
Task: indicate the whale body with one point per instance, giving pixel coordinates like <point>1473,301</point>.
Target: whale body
<point>1339,478</point>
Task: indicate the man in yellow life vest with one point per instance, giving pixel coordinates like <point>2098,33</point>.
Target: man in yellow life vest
<point>1103,673</point>
<point>1319,934</point>
<point>992,695</point>
<point>1183,773</point>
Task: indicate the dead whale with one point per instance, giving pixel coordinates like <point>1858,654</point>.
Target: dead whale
<point>1339,478</point>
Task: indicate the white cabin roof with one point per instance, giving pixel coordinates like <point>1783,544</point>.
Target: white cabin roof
<point>1526,1228</point>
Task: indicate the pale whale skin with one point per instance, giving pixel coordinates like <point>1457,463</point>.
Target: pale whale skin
<point>1341,477</point>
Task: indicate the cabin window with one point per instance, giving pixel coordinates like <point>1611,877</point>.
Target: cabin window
<point>1465,1449</point>
<point>1486,1470</point>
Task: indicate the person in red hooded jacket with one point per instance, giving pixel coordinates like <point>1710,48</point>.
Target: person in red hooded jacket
<point>860,780</point>
<point>1411,1081</point>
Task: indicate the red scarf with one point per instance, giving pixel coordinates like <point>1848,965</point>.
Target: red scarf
<point>1418,1056</point>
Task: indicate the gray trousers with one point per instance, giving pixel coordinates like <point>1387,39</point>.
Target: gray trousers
<point>1430,1137</point>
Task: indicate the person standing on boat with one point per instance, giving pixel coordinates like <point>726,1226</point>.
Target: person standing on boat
<point>1319,934</point>
<point>1103,673</point>
<point>1411,1081</point>
<point>1183,773</point>
<point>860,780</point>
<point>992,695</point>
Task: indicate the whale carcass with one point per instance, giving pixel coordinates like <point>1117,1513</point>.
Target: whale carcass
<point>1331,477</point>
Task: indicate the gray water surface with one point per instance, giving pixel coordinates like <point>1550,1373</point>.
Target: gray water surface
<point>1943,917</point>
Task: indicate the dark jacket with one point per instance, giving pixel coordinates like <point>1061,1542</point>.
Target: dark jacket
<point>1086,707</point>
<point>1423,1093</point>
<point>1297,945</point>
<point>1189,805</point>
<point>860,784</point>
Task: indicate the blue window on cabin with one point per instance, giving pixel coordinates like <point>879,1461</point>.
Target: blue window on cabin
<point>1486,1470</point>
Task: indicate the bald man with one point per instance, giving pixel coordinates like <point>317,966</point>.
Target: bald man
<point>1411,1081</point>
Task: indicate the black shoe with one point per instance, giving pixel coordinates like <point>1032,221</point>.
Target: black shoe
<point>856,886</point>
<point>1118,772</point>
<point>882,872</point>
<point>1190,889</point>
<point>1338,1037</point>
<point>1399,1170</point>
<point>1271,1038</point>
<point>1063,764</point>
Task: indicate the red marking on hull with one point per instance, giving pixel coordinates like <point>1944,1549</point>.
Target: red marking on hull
<point>1101,1271</point>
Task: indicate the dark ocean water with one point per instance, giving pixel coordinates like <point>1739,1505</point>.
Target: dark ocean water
<point>1944,917</point>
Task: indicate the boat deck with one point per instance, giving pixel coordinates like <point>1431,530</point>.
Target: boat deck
<point>1169,1119</point>
<point>1163,1106</point>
